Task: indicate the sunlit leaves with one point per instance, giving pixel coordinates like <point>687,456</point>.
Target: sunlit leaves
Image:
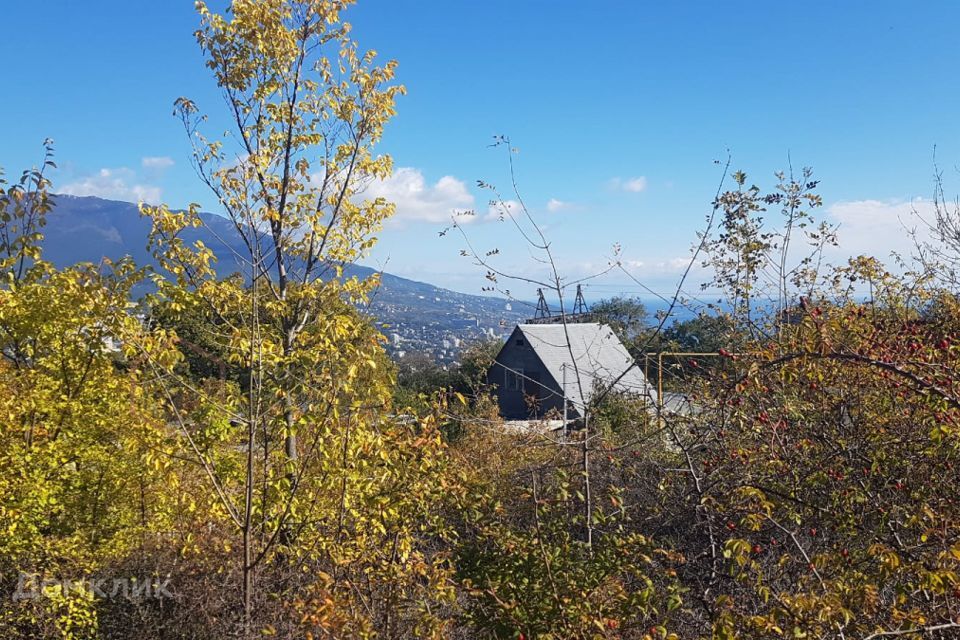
<point>818,461</point>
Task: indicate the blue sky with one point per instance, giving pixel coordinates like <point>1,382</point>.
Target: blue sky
<point>619,110</point>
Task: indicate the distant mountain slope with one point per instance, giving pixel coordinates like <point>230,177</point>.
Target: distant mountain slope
<point>420,316</point>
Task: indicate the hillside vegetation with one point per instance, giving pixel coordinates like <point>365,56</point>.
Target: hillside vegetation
<point>235,456</point>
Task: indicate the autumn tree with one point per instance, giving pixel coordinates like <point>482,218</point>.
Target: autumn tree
<point>761,262</point>
<point>78,491</point>
<point>305,473</point>
<point>798,501</point>
<point>812,460</point>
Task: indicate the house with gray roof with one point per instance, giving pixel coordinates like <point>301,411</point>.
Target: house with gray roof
<point>544,363</point>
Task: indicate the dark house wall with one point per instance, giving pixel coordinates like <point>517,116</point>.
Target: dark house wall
<point>517,355</point>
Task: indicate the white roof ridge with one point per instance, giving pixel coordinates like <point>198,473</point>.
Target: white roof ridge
<point>598,356</point>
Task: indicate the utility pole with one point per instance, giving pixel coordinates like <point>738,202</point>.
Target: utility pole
<point>579,304</point>
<point>543,311</point>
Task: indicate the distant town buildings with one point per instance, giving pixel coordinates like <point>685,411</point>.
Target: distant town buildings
<point>439,326</point>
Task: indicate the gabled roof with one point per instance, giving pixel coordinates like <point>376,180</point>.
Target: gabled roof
<point>598,353</point>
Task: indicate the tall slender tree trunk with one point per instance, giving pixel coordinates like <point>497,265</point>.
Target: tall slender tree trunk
<point>587,497</point>
<point>290,433</point>
<point>254,380</point>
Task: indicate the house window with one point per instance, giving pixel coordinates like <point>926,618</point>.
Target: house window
<point>513,379</point>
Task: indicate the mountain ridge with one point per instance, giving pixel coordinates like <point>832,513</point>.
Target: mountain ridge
<point>415,315</point>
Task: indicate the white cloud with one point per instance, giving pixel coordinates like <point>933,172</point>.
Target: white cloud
<point>418,201</point>
<point>554,205</point>
<point>632,185</point>
<point>113,184</point>
<point>661,266</point>
<point>879,227</point>
<point>158,163</point>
